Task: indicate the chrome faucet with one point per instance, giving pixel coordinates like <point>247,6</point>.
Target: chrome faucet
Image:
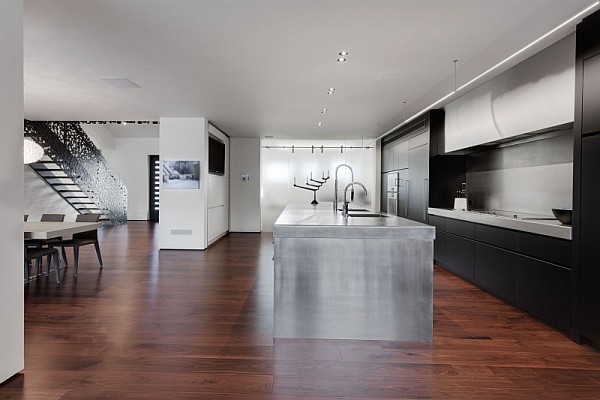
<point>346,203</point>
<point>335,193</point>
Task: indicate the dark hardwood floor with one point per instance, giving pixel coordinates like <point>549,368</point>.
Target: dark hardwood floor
<point>197,325</point>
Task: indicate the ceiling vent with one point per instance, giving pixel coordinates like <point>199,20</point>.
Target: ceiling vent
<point>120,83</point>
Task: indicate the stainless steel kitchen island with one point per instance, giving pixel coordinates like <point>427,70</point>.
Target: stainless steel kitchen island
<point>359,277</point>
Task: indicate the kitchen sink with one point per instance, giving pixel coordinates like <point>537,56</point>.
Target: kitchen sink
<point>368,215</point>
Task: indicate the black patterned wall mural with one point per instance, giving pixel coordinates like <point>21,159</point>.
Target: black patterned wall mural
<point>69,147</point>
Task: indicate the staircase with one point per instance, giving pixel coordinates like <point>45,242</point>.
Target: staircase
<point>74,167</point>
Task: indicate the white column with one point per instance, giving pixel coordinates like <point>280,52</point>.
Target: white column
<point>11,182</point>
<point>183,212</point>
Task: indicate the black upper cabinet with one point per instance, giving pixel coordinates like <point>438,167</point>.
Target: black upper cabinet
<point>590,121</point>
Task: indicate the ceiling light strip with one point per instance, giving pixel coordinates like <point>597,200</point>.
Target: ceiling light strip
<point>536,41</point>
<point>579,14</point>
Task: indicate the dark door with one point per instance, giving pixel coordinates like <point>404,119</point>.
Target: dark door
<point>153,187</point>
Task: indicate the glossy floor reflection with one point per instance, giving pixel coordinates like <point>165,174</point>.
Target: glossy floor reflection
<point>198,325</point>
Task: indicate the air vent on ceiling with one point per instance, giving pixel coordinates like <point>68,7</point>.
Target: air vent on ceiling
<point>120,83</point>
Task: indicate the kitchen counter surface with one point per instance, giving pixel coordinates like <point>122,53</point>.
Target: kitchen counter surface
<point>546,227</point>
<point>306,220</point>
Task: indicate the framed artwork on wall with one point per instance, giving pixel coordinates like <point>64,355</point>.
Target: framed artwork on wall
<point>181,175</point>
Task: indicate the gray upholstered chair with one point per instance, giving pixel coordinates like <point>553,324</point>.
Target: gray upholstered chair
<point>37,254</point>
<point>39,243</point>
<point>80,239</point>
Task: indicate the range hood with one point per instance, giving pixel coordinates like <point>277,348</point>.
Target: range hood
<point>533,96</point>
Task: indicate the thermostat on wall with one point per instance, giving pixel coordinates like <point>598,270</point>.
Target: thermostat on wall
<point>245,177</point>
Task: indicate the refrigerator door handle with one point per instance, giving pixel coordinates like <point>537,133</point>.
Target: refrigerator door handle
<point>426,197</point>
<point>407,197</point>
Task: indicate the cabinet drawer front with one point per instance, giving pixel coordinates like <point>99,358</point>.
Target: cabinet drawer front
<point>557,251</point>
<point>438,222</point>
<point>459,256</point>
<point>499,237</point>
<point>496,271</point>
<point>439,247</point>
<point>460,228</point>
<point>544,290</point>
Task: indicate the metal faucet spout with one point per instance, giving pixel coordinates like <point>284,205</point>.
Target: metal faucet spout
<point>346,203</point>
<point>335,193</point>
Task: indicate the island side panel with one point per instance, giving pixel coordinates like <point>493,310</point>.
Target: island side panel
<point>370,289</point>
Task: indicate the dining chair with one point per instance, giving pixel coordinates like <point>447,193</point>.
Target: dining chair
<point>37,254</point>
<point>80,239</point>
<point>39,243</point>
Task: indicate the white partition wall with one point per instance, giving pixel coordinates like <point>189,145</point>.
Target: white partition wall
<point>218,194</point>
<point>279,167</point>
<point>183,212</point>
<point>11,181</point>
<point>245,185</point>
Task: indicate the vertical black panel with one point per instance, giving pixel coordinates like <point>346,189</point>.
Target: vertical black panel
<point>589,262</point>
<point>591,95</point>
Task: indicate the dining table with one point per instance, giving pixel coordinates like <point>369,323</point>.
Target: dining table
<point>50,230</point>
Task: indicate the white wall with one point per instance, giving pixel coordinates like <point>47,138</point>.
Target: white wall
<point>218,194</point>
<point>11,195</point>
<point>40,198</point>
<point>129,160</point>
<point>279,167</point>
<point>245,195</point>
<point>183,212</point>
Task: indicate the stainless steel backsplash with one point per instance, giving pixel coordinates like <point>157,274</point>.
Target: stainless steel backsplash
<point>531,177</point>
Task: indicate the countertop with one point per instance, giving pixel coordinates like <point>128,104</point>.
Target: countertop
<point>307,220</point>
<point>546,227</point>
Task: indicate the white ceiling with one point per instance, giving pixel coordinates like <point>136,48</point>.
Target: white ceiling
<point>263,67</point>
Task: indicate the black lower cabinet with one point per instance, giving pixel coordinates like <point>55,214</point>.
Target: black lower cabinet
<point>460,256</point>
<point>529,271</point>
<point>544,290</point>
<point>439,247</point>
<point>496,271</point>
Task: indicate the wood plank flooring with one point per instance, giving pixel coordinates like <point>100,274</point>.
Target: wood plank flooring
<point>198,325</point>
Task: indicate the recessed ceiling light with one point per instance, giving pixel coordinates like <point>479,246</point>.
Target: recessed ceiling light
<point>342,59</point>
<point>331,89</point>
<point>320,123</point>
<point>330,92</point>
<point>324,111</point>
<point>343,53</point>
<point>124,123</point>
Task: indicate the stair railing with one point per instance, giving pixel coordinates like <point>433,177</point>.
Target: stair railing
<point>67,144</point>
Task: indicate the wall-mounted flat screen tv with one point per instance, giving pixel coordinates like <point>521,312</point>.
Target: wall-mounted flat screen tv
<point>216,156</point>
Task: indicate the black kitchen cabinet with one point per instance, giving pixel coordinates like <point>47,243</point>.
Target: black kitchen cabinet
<point>591,95</point>
<point>544,290</point>
<point>496,271</point>
<point>528,270</point>
<point>439,247</point>
<point>589,263</point>
<point>460,256</point>
<point>586,185</point>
